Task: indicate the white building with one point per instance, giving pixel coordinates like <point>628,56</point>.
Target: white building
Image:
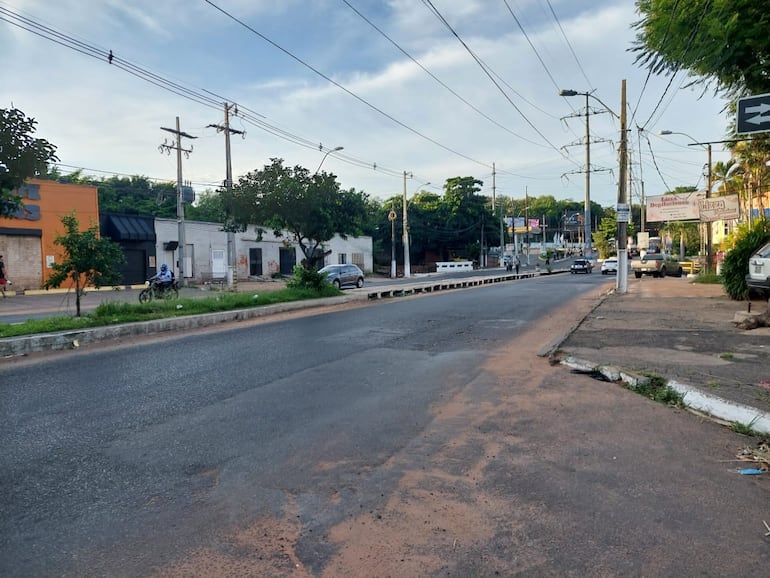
<point>264,256</point>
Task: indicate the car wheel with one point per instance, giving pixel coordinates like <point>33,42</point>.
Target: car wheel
<point>663,272</point>
<point>679,272</point>
<point>337,284</point>
<point>637,275</point>
<point>360,282</point>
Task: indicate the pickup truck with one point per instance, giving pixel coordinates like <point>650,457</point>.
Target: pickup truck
<point>657,265</point>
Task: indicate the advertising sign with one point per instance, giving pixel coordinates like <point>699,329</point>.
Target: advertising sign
<point>678,207</point>
<point>718,208</point>
<point>519,226</point>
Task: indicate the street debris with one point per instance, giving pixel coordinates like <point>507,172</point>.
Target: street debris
<point>759,455</point>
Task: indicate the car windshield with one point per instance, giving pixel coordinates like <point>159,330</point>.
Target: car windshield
<point>764,252</point>
<point>655,257</point>
<point>329,269</point>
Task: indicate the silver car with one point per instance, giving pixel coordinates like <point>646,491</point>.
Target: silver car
<point>758,277</point>
<point>344,275</point>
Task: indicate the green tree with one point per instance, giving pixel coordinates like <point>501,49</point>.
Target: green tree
<point>209,207</point>
<point>723,43</point>
<point>21,156</point>
<point>88,259</point>
<point>736,265</point>
<point>312,207</point>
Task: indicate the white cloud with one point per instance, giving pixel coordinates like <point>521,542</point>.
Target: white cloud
<point>103,118</point>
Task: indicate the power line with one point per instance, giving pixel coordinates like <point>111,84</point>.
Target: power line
<point>199,96</point>
<point>434,77</point>
<point>343,88</point>
<point>649,70</point>
<point>577,60</point>
<point>690,40</point>
<point>486,70</point>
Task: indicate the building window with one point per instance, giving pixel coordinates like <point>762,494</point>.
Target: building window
<point>342,259</point>
<point>358,259</point>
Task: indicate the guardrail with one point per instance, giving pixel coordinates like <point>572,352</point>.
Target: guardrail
<point>442,285</point>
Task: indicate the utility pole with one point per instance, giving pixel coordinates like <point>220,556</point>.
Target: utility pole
<point>502,232</point>
<point>407,265</point>
<point>392,219</point>
<point>587,169</point>
<point>526,218</point>
<point>709,249</point>
<point>231,268</point>
<point>167,148</point>
<point>624,210</point>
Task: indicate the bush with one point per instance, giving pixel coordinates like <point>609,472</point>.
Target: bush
<point>307,279</point>
<point>736,264</point>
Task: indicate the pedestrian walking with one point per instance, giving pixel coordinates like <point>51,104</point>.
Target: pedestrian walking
<point>3,280</point>
<point>516,263</point>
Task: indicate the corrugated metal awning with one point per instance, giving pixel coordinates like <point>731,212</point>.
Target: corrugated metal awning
<point>129,228</point>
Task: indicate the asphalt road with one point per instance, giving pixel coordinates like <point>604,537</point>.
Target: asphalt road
<point>128,460</point>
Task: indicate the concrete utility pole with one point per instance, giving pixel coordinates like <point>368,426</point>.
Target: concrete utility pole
<point>231,267</point>
<point>407,265</point>
<point>588,170</point>
<point>167,148</point>
<point>624,209</point>
<point>502,232</point>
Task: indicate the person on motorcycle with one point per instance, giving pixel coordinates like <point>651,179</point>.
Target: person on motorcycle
<point>164,278</point>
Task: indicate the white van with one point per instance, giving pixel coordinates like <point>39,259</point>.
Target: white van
<point>758,278</point>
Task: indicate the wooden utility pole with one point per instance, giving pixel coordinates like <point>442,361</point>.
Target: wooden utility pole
<point>232,277</point>
<point>167,148</point>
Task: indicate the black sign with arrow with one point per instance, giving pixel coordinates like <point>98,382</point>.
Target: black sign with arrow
<point>753,114</point>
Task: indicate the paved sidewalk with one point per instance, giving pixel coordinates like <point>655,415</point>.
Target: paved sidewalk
<point>684,332</point>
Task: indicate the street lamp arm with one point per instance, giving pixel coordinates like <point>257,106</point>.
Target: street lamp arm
<point>567,92</point>
<point>334,150</point>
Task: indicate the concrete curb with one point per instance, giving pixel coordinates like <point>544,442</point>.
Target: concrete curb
<point>24,345</point>
<point>703,403</point>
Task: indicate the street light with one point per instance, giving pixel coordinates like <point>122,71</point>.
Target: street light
<point>707,146</point>
<point>334,150</point>
<point>587,204</point>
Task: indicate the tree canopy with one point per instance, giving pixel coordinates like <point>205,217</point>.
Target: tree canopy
<point>720,42</point>
<point>311,207</point>
<point>21,156</point>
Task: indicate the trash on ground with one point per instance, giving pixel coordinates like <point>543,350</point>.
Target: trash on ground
<point>759,455</point>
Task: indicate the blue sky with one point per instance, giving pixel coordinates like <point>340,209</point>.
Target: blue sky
<point>103,118</point>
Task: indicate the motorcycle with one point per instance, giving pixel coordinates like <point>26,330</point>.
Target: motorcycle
<point>154,290</point>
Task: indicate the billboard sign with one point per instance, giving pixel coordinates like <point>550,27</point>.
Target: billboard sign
<point>718,208</point>
<point>675,207</point>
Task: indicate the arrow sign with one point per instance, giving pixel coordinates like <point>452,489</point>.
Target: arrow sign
<point>753,114</point>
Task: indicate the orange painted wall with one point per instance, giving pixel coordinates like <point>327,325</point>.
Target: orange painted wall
<point>57,200</point>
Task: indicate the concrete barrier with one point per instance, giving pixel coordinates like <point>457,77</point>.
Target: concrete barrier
<point>444,266</point>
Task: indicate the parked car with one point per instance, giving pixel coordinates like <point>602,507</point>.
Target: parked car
<point>581,266</point>
<point>657,265</point>
<point>344,275</point>
<point>758,277</point>
<point>610,265</point>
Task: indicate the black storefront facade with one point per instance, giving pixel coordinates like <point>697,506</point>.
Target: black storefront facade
<point>136,236</point>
